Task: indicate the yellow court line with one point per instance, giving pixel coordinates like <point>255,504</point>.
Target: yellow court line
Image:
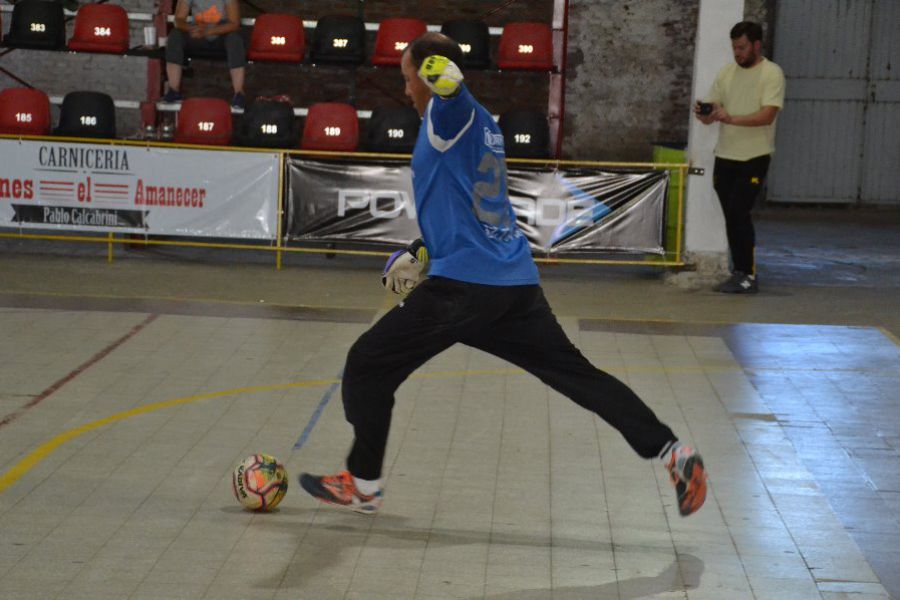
<point>889,335</point>
<point>37,455</point>
<point>34,457</point>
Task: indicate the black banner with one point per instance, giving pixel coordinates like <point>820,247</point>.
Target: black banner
<point>561,211</point>
<point>69,216</point>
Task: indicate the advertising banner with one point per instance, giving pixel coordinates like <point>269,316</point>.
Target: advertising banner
<point>559,210</point>
<point>129,189</point>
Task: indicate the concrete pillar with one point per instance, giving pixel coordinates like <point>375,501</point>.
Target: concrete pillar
<point>705,244</point>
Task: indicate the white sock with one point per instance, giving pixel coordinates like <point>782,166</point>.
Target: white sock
<point>668,449</point>
<point>367,487</point>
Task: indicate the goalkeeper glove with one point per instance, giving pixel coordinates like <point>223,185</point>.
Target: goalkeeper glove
<point>441,75</point>
<point>406,268</point>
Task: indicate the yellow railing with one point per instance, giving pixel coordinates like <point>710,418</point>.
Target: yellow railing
<point>673,257</point>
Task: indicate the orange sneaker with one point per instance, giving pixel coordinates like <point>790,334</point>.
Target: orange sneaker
<point>339,489</point>
<point>689,478</point>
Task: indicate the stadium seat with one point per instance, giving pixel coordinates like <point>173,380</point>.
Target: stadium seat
<point>339,40</point>
<point>394,35</point>
<point>24,111</point>
<point>267,123</point>
<point>331,126</point>
<point>392,129</point>
<point>37,24</point>
<point>277,38</point>
<point>526,46</point>
<point>475,40</point>
<point>100,28</point>
<point>526,134</point>
<point>87,114</point>
<point>204,121</point>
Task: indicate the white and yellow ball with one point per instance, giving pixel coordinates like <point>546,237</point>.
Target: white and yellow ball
<point>259,482</point>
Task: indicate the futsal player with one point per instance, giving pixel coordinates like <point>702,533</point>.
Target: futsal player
<point>481,289</point>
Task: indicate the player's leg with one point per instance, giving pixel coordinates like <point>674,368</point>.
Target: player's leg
<point>532,339</point>
<point>430,320</point>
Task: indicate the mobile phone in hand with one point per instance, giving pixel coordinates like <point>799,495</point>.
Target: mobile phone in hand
<point>705,109</point>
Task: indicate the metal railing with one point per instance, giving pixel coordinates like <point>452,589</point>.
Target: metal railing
<point>672,257</point>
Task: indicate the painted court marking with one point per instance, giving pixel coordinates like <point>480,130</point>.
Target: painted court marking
<point>326,397</point>
<point>75,373</point>
<point>37,455</point>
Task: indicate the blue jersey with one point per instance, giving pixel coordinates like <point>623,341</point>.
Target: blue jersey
<point>459,181</point>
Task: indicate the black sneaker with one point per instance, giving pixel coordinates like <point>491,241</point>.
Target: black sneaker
<point>172,96</point>
<point>238,101</point>
<point>739,283</point>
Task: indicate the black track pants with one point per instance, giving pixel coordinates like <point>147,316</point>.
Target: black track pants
<point>737,184</point>
<point>514,323</point>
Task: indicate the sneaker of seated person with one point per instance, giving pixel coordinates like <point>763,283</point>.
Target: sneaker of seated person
<point>239,101</point>
<point>172,96</point>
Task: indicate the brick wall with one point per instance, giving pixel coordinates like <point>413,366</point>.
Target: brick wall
<point>628,77</point>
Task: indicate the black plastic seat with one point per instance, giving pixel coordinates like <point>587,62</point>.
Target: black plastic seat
<point>339,40</point>
<point>87,114</point>
<point>267,124</point>
<point>392,129</point>
<point>37,24</point>
<point>474,38</point>
<point>526,134</point>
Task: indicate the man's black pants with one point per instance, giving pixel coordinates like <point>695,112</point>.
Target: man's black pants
<point>737,184</point>
<point>514,323</point>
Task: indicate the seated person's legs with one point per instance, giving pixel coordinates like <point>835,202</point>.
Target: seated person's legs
<point>175,48</point>
<point>237,62</point>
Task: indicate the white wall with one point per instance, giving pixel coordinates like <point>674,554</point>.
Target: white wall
<point>705,239</point>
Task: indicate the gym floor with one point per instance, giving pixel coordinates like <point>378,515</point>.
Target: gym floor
<point>128,391</point>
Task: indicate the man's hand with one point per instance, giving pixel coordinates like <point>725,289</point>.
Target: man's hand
<point>705,119</point>
<point>721,115</point>
<point>406,268</point>
<point>441,75</point>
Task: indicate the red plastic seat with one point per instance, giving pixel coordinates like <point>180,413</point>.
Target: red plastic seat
<point>100,28</point>
<point>24,111</point>
<point>394,35</point>
<point>331,126</point>
<point>204,121</point>
<point>277,38</point>
<point>526,46</point>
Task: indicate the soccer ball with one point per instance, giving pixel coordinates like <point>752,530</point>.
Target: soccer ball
<point>259,482</point>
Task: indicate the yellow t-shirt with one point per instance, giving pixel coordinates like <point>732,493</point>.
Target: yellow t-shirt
<point>742,92</point>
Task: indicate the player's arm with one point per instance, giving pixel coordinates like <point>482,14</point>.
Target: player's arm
<point>764,116</point>
<point>182,10</point>
<point>452,109</point>
<point>233,12</point>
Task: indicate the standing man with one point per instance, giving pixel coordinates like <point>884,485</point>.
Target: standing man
<point>217,25</point>
<point>481,290</point>
<point>745,99</point>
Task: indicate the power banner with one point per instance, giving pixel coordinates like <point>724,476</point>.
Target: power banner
<point>127,189</point>
<point>560,211</point>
